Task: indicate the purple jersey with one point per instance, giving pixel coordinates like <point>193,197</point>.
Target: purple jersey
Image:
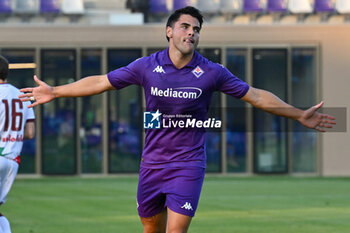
<point>177,91</point>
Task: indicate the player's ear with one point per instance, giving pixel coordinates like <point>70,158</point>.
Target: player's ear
<point>169,32</point>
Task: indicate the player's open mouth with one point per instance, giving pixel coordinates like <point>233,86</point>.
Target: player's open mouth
<point>190,41</point>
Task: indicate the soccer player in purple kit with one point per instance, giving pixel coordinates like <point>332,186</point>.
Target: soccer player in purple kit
<point>175,81</point>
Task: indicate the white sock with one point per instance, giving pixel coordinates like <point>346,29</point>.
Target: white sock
<point>5,225</point>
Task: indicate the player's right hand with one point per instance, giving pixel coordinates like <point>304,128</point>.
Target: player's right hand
<point>41,94</point>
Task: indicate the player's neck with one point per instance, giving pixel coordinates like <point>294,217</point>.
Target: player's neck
<point>2,81</point>
<point>179,59</point>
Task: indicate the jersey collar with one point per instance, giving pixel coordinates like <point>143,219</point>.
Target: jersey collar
<point>166,59</point>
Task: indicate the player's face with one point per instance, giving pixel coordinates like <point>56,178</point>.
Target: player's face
<point>184,35</point>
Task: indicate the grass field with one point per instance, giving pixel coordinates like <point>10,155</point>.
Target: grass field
<point>227,205</point>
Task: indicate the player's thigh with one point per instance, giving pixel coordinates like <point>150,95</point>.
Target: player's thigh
<point>8,172</point>
<point>150,198</point>
<point>183,189</point>
<point>155,224</point>
<point>177,223</point>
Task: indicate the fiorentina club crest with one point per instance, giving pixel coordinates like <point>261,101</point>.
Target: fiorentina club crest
<point>197,71</point>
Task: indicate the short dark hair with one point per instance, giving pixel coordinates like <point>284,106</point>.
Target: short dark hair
<point>4,68</point>
<point>189,10</point>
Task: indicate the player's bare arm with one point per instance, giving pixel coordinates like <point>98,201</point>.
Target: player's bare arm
<point>44,93</point>
<point>269,102</point>
<point>29,130</point>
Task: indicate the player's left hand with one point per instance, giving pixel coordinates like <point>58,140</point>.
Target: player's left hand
<point>315,120</point>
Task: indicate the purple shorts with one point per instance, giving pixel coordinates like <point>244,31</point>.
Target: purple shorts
<point>176,188</point>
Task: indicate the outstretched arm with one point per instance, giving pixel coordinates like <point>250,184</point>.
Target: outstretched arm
<point>270,103</point>
<point>44,93</point>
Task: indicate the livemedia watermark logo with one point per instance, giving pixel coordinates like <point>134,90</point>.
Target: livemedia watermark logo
<point>152,120</point>
<point>157,120</point>
<point>235,119</point>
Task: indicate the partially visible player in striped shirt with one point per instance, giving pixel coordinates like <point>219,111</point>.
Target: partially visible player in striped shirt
<point>16,124</point>
<point>177,80</point>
